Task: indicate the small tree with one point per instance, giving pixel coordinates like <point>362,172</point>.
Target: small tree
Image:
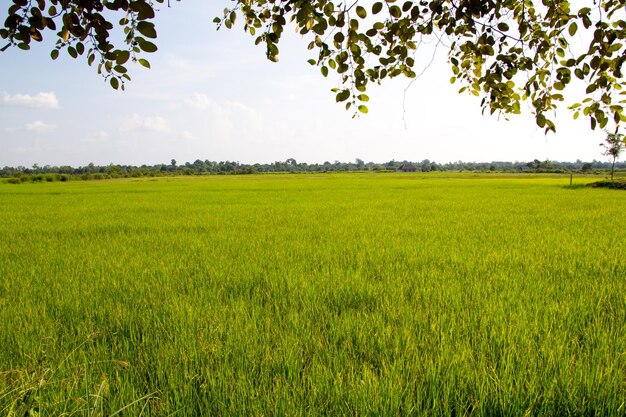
<point>613,146</point>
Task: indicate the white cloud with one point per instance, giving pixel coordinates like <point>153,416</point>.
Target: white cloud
<point>39,101</point>
<point>153,124</point>
<point>96,137</point>
<point>200,101</point>
<point>39,127</point>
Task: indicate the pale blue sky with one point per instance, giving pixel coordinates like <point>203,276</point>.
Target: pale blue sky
<point>213,95</point>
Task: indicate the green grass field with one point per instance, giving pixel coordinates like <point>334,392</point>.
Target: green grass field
<point>301,295</point>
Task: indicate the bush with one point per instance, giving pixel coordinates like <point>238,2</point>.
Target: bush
<point>614,184</point>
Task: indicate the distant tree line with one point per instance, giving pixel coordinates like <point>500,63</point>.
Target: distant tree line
<point>48,173</point>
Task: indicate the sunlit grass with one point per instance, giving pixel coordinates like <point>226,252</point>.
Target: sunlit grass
<point>313,295</point>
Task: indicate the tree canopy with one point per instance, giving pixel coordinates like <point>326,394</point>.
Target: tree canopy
<point>613,145</point>
<point>506,52</point>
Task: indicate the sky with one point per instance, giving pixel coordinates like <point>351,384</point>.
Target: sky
<point>213,95</point>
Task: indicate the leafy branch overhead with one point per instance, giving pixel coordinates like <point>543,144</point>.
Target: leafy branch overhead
<point>84,28</point>
<point>505,52</point>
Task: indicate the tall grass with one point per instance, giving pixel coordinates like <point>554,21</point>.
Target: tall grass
<point>313,295</point>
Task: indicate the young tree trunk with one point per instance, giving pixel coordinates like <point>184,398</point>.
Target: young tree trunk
<point>613,168</point>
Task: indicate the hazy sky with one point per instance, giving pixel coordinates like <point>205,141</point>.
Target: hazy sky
<point>213,95</point>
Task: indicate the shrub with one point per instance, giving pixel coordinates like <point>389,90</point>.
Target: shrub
<point>613,184</point>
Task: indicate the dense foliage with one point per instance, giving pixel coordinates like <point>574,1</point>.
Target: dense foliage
<point>507,52</point>
<point>48,173</point>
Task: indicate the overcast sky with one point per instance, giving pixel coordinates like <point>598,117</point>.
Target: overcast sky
<point>213,95</point>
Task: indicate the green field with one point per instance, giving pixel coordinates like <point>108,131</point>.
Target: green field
<point>301,295</point>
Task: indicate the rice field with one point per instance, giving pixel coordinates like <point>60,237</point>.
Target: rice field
<point>302,295</point>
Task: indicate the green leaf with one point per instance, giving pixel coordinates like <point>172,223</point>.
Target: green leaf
<point>143,9</point>
<point>147,29</point>
<point>143,62</point>
<point>35,35</point>
<point>363,97</point>
<point>114,83</point>
<point>324,70</point>
<point>147,46</point>
<point>541,120</point>
<point>377,7</point>
<point>342,95</point>
<point>363,109</point>
<point>121,57</point>
<point>395,11</point>
<point>361,12</point>
<point>54,54</point>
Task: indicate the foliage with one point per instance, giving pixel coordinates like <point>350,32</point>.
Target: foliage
<point>613,184</point>
<point>199,167</point>
<point>85,27</point>
<point>507,52</point>
<point>325,295</point>
<point>613,145</point>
